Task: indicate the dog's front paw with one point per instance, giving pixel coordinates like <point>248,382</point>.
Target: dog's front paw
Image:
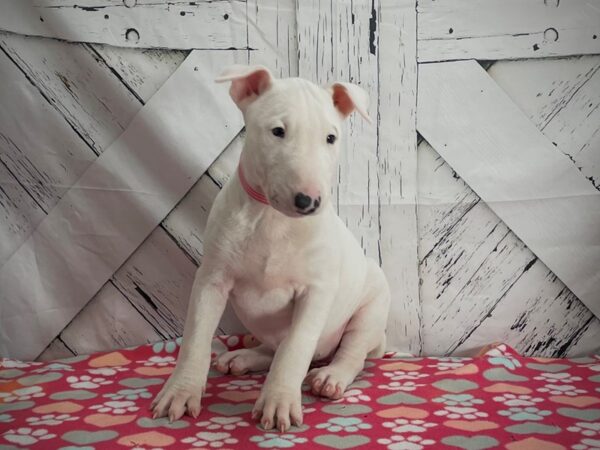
<point>180,393</point>
<point>278,406</point>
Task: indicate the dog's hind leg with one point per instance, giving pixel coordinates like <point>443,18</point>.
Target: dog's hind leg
<point>363,337</point>
<point>238,362</point>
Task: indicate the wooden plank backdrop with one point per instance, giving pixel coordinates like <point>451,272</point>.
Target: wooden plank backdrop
<point>470,279</point>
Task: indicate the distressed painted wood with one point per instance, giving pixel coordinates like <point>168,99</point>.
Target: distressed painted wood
<point>396,48</point>
<point>56,350</point>
<point>202,24</point>
<point>136,202</point>
<point>271,26</point>
<point>19,213</point>
<point>506,29</point>
<point>537,195</point>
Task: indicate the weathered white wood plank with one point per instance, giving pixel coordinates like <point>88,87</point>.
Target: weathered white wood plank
<point>56,350</point>
<point>108,323</point>
<point>143,71</point>
<point>272,29</point>
<point>125,205</point>
<point>396,48</point>
<point>94,102</point>
<point>506,29</point>
<point>19,213</point>
<point>588,341</point>
<point>201,24</point>
<point>335,43</point>
<point>526,303</point>
<point>538,195</point>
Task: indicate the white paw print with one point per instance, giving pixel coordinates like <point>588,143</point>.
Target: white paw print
<point>107,371</point>
<point>587,444</point>
<point>225,423</point>
<point>402,426</point>
<point>564,389</point>
<point>159,361</point>
<point>406,386</point>
<point>562,377</point>
<point>271,440</point>
<point>116,407</point>
<point>518,400</point>
<point>456,412</point>
<point>586,428</point>
<point>14,364</point>
<point>22,394</point>
<point>353,396</point>
<point>240,385</point>
<point>401,442</point>
<point>27,436</point>
<point>348,424</point>
<point>210,439</point>
<point>87,382</point>
<point>447,365</point>
<point>404,375</point>
<point>50,419</point>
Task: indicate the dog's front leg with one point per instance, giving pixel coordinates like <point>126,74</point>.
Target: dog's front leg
<point>183,390</point>
<point>280,398</point>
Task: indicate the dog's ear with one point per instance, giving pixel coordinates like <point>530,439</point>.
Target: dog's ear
<point>348,97</point>
<point>247,83</point>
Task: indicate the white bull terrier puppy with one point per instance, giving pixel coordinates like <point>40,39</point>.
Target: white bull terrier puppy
<point>295,275</point>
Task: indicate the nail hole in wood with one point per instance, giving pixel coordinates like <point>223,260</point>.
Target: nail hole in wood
<point>129,3</point>
<point>551,35</point>
<point>226,16</point>
<point>106,16</point>
<point>450,31</point>
<point>182,13</point>
<point>593,37</point>
<point>132,35</point>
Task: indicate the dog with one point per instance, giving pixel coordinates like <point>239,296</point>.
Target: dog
<point>275,248</point>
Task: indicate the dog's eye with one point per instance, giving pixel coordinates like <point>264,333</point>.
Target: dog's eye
<point>331,139</point>
<point>278,131</point>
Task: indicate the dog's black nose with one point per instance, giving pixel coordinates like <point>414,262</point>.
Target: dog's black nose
<point>302,201</point>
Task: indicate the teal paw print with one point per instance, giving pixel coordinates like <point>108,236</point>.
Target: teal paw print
<point>168,346</point>
<point>272,440</point>
<point>129,394</point>
<point>5,418</point>
<point>507,361</point>
<point>458,400</point>
<point>349,424</point>
<point>521,414</point>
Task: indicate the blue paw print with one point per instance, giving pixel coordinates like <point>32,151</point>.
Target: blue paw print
<point>521,414</point>
<point>272,440</point>
<point>168,346</point>
<point>507,361</point>
<point>458,400</point>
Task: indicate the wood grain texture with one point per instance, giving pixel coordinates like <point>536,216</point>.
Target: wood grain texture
<point>397,169</point>
<point>202,24</point>
<point>445,200</point>
<point>539,195</point>
<point>56,350</point>
<point>126,203</point>
<point>506,29</point>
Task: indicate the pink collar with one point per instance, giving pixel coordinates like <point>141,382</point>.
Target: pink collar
<point>253,193</point>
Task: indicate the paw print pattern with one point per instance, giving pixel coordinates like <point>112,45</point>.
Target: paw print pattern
<point>404,375</point>
<point>403,426</point>
<point>458,400</point>
<point>22,394</point>
<point>129,394</point>
<point>27,436</point>
<point>87,382</point>
<point>107,371</point>
<point>517,400</point>
<point>456,412</point>
<point>116,407</point>
<point>518,413</point>
<point>563,389</point>
<point>587,444</point>
<point>158,361</point>
<point>272,440</point>
<point>404,442</point>
<point>5,418</point>
<point>406,386</point>
<point>50,419</point>
<point>586,428</point>
<point>240,384</point>
<point>353,396</point>
<point>209,439</point>
<point>562,377</point>
<point>348,424</point>
<point>449,363</point>
<point>223,423</point>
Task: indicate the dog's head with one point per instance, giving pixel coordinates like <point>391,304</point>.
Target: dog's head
<point>293,131</point>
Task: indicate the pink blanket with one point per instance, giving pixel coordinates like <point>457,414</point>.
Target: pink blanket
<point>496,400</point>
